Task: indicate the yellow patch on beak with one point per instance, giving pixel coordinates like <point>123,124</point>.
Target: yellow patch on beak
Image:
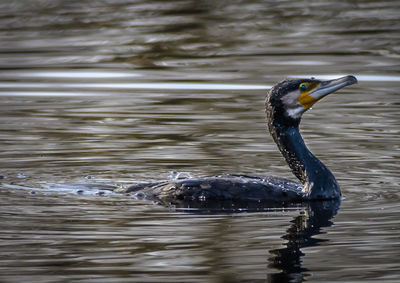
<point>305,98</point>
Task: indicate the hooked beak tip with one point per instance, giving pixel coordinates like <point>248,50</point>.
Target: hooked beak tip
<point>351,79</point>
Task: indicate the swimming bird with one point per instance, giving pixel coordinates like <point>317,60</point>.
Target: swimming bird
<point>285,104</point>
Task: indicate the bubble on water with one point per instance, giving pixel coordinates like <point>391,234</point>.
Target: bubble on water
<point>175,175</point>
<point>21,176</point>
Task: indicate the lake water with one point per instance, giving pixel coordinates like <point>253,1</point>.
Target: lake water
<point>114,92</point>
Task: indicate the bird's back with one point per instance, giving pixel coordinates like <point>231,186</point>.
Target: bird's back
<point>222,187</point>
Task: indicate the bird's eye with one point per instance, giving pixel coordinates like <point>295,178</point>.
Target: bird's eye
<point>303,87</point>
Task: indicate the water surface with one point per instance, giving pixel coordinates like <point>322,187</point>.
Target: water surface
<point>114,92</point>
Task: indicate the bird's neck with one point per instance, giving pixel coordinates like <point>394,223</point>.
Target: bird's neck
<point>318,181</point>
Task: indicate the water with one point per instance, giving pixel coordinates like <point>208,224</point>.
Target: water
<point>113,92</point>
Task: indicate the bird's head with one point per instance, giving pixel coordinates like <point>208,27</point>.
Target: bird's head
<point>289,99</point>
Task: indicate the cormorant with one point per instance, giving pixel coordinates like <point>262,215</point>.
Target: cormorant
<point>285,103</point>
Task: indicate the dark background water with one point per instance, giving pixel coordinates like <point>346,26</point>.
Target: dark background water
<point>120,91</point>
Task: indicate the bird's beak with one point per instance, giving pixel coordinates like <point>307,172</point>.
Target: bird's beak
<point>324,88</point>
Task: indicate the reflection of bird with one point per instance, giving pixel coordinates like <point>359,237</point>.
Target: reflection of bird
<point>288,259</point>
<point>285,104</point>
